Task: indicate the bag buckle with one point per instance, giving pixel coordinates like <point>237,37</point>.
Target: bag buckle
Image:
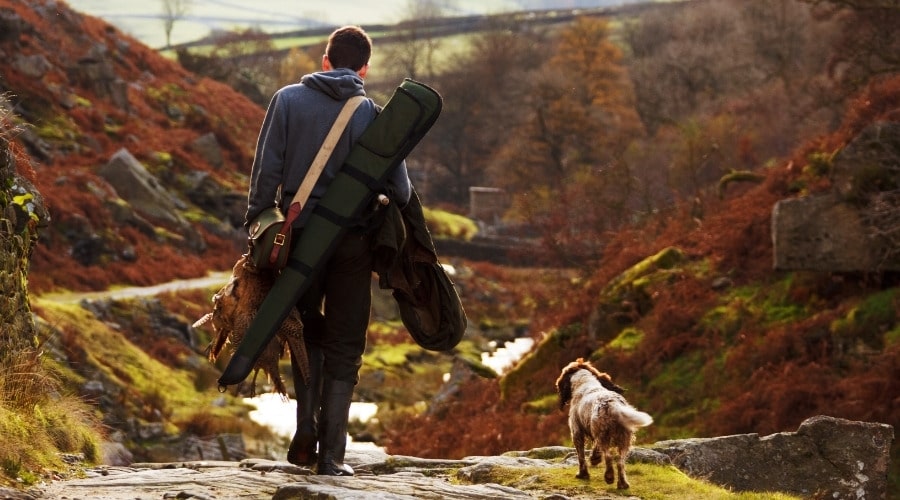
<point>279,239</point>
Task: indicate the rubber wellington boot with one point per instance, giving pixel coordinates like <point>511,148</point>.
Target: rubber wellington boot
<point>336,396</point>
<point>303,446</point>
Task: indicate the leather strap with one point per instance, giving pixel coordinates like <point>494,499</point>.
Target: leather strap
<point>315,170</point>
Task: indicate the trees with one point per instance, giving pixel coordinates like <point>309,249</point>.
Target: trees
<point>415,45</point>
<point>726,85</point>
<point>173,10</point>
<point>485,94</point>
<point>563,161</point>
<point>868,46</point>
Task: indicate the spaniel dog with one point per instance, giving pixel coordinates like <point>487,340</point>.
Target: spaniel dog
<point>599,413</point>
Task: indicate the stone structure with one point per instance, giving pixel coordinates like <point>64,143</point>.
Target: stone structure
<point>23,212</point>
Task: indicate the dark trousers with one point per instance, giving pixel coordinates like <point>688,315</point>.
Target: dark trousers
<point>336,307</point>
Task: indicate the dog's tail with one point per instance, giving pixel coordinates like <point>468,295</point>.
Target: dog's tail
<point>632,418</point>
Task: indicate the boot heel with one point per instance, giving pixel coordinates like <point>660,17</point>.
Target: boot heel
<point>336,397</point>
<point>302,450</point>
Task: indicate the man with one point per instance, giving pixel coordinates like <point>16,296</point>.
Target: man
<point>336,307</point>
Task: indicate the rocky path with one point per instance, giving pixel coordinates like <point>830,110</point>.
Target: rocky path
<point>378,477</point>
<point>826,458</point>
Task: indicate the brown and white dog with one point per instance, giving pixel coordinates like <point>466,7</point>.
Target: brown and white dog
<point>598,413</point>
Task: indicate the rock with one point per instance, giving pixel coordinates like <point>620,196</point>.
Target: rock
<point>115,454</point>
<point>137,186</point>
<point>96,71</point>
<point>850,228</point>
<point>11,494</point>
<point>821,233</point>
<point>869,162</point>
<point>399,486</point>
<point>208,147</point>
<point>826,458</point>
<point>12,25</point>
<point>34,66</point>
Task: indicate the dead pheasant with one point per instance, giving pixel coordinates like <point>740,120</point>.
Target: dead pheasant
<point>234,307</point>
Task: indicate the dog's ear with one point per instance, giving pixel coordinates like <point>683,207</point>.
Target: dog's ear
<point>606,381</point>
<point>564,388</point>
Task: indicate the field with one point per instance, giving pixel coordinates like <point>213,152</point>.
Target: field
<point>143,19</point>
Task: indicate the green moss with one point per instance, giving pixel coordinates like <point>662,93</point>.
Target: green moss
<point>737,176</point>
<point>647,482</point>
<point>876,314</point>
<point>635,279</point>
<point>629,340</point>
<point>725,320</point>
<point>60,128</point>
<point>819,164</point>
<point>390,356</point>
<point>892,337</point>
<point>749,306</point>
<point>83,102</point>
<point>125,364</point>
<point>544,405</point>
<point>678,388</point>
<point>443,224</point>
<point>545,351</point>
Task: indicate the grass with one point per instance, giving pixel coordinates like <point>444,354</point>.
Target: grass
<point>39,422</point>
<point>648,482</point>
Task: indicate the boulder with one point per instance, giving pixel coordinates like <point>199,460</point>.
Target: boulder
<point>144,193</point>
<point>96,71</point>
<point>826,458</point>
<point>820,233</point>
<point>852,228</point>
<point>208,147</point>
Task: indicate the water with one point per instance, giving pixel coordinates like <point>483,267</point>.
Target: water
<point>279,413</point>
<point>505,357</point>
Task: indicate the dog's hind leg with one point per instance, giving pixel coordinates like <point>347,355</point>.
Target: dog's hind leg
<point>609,475</point>
<point>596,455</point>
<point>578,441</point>
<point>620,465</point>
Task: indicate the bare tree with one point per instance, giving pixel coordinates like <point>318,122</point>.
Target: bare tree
<point>173,10</point>
<point>412,53</point>
<point>484,97</point>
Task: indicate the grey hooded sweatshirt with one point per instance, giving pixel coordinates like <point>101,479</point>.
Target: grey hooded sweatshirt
<point>297,120</point>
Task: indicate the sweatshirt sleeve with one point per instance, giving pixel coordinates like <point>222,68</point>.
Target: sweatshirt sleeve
<point>399,188</point>
<point>268,162</point>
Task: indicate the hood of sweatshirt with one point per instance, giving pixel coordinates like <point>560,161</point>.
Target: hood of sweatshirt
<point>340,84</point>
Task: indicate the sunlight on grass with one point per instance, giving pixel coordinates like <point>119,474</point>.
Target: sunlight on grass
<point>648,482</point>
<point>38,422</point>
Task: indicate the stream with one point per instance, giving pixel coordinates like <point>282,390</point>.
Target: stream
<point>273,410</point>
<point>278,413</point>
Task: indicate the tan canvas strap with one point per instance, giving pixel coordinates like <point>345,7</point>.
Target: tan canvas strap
<point>318,164</point>
<point>315,170</point>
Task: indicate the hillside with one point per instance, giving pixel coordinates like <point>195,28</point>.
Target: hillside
<point>83,91</point>
<point>684,309</point>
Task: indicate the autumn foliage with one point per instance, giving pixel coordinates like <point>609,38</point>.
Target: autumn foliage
<point>767,375</point>
<point>610,172</point>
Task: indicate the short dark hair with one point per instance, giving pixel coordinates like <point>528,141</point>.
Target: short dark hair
<point>349,47</point>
